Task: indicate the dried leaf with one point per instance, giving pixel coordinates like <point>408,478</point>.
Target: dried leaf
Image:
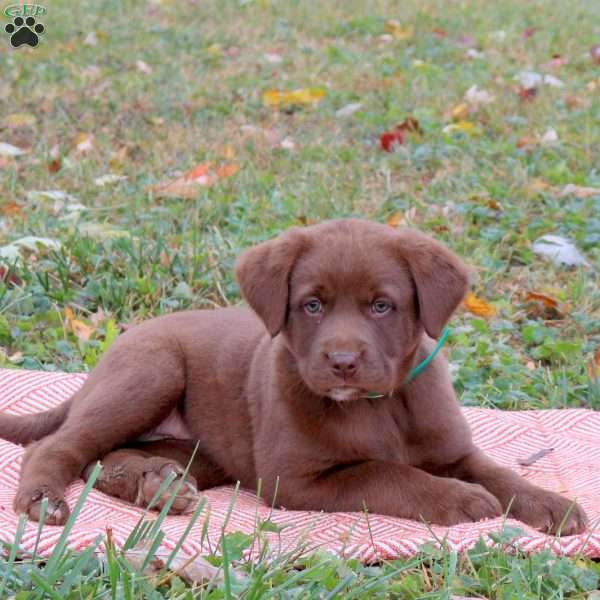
<point>594,369</point>
<point>540,306</point>
<point>108,179</point>
<point>348,110</point>
<point>395,218</point>
<point>193,569</point>
<point>143,67</point>
<point>9,208</point>
<point>595,53</point>
<point>30,243</point>
<point>460,112</point>
<point>10,150</point>
<point>301,97</point>
<point>579,191</point>
<point>465,127</point>
<point>550,138</point>
<point>530,460</point>
<point>390,139</point>
<point>400,32</point>
<point>54,166</point>
<point>478,306</point>
<point>79,328</point>
<point>189,185</point>
<point>83,142</point>
<point>17,120</point>
<point>475,97</point>
<point>559,250</point>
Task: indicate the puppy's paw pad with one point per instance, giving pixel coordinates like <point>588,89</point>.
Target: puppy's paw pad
<point>152,480</point>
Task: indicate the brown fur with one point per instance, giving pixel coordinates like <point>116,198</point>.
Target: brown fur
<point>278,393</point>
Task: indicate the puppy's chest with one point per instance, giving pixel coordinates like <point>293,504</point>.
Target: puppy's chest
<point>367,434</point>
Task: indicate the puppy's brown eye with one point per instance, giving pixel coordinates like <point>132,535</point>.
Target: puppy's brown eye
<point>313,306</point>
<point>380,307</point>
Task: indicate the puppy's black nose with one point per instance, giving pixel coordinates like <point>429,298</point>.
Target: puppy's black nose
<point>343,364</point>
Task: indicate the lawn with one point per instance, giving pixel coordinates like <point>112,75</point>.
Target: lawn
<point>160,134</point>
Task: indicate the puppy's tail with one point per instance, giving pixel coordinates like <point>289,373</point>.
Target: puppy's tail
<point>22,429</point>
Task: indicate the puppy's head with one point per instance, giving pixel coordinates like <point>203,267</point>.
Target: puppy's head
<point>351,299</point>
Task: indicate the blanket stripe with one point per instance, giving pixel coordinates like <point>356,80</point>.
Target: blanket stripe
<point>572,469</point>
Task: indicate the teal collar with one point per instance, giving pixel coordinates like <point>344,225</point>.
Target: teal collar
<point>422,365</point>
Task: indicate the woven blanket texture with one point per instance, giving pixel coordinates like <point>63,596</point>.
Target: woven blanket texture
<point>572,469</point>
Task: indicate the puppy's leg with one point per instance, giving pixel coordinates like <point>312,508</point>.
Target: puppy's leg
<point>390,489</point>
<point>533,505</point>
<point>131,390</point>
<point>136,474</point>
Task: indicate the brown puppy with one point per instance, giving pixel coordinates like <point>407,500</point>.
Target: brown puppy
<point>340,309</point>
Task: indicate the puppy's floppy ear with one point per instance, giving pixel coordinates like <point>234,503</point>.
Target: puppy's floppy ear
<point>441,278</point>
<point>263,273</point>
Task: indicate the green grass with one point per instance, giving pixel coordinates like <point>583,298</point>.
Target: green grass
<point>127,254</point>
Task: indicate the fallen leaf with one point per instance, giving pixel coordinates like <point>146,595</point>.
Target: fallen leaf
<point>10,208</point>
<point>390,139</point>
<point>540,306</point>
<point>101,231</point>
<point>91,39</point>
<point>12,251</point>
<point>396,29</point>
<point>594,366</point>
<point>54,166</point>
<point>287,144</point>
<point>550,138</point>
<point>108,179</point>
<point>440,32</point>
<point>530,460</point>
<point>143,67</point>
<point>475,97</point>
<point>189,185</point>
<point>301,97</point>
<point>579,191</point>
<point>79,328</point>
<point>559,250</point>
<point>348,110</point>
<point>193,569</point>
<point>17,120</point>
<point>83,142</point>
<point>527,94</point>
<point>41,195</point>
<point>466,127</point>
<point>273,57</point>
<point>595,53</point>
<point>460,112</point>
<point>10,150</point>
<point>395,218</point>
<point>478,306</point>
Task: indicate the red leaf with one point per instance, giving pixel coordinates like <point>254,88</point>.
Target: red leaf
<point>389,139</point>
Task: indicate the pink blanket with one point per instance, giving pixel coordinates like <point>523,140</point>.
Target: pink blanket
<point>572,469</point>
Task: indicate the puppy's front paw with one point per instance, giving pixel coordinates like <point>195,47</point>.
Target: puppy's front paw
<point>29,501</point>
<point>462,502</point>
<point>548,512</point>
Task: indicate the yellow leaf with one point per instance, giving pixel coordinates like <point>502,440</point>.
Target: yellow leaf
<point>462,127</point>
<point>478,306</point>
<point>16,120</point>
<point>398,31</point>
<point>304,96</point>
<point>395,218</point>
<point>79,328</point>
<point>460,112</point>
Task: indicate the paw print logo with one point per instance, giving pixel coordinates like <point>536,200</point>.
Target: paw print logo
<point>24,31</point>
